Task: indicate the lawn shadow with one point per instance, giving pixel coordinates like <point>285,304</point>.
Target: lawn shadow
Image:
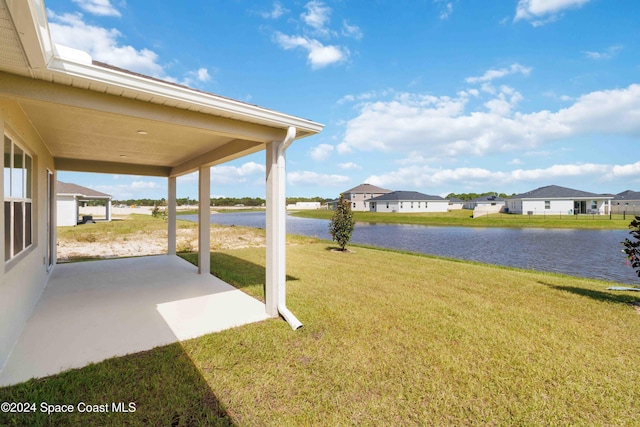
<point>161,386</point>
<point>240,273</point>
<point>604,296</point>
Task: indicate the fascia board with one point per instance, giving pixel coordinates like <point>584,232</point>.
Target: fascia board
<point>30,20</point>
<point>208,103</point>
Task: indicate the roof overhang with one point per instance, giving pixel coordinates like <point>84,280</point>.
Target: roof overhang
<point>96,118</point>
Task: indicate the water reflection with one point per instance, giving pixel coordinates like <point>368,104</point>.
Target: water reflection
<point>586,253</point>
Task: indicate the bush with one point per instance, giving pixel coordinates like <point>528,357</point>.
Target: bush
<point>341,225</point>
<point>632,248</point>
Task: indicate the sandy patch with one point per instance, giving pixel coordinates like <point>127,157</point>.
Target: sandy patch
<point>153,243</point>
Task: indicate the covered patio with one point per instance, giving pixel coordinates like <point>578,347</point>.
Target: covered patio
<point>62,110</point>
<point>92,311</point>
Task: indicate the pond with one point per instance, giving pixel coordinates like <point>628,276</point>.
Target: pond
<point>577,252</point>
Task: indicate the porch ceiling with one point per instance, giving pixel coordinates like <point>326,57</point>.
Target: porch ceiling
<point>98,132</point>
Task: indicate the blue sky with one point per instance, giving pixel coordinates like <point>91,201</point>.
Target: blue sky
<point>435,96</point>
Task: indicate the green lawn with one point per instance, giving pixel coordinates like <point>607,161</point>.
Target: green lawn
<point>463,218</point>
<point>388,339</point>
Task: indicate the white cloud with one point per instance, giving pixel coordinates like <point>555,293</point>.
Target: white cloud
<point>606,54</point>
<point>276,12</point>
<point>349,166</point>
<point>318,55</point>
<point>103,45</point>
<point>321,152</point>
<point>496,74</point>
<point>134,190</point>
<point>226,174</point>
<point>436,178</point>
<point>440,126</point>
<point>365,96</point>
<point>315,26</point>
<point>314,178</point>
<point>540,12</point>
<point>446,9</point>
<point>98,7</point>
<point>351,30</point>
<point>317,17</point>
<point>193,78</point>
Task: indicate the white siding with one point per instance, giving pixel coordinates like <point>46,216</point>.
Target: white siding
<point>67,207</point>
<point>411,206</point>
<point>23,278</point>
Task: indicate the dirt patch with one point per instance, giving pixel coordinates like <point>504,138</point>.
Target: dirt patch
<point>141,243</point>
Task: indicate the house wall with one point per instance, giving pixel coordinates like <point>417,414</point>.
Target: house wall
<point>410,206</point>
<point>556,207</point>
<point>67,207</point>
<point>630,207</point>
<point>360,201</point>
<point>23,278</point>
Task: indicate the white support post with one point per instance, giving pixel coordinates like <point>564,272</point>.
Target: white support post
<point>171,216</point>
<point>204,219</point>
<point>276,265</point>
<point>108,210</point>
<point>274,251</point>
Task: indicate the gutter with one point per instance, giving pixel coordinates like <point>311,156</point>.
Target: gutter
<point>289,317</point>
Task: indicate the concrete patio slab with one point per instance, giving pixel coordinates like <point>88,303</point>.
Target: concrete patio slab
<point>92,311</point>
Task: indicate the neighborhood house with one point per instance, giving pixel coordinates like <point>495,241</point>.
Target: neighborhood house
<point>360,196</point>
<point>556,200</point>
<point>408,201</point>
<point>70,198</point>
<point>626,202</point>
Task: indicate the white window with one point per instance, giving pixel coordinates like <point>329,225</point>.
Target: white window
<point>18,205</point>
<point>547,204</point>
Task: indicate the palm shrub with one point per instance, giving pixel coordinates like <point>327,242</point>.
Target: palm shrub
<point>632,248</point>
<point>341,225</point>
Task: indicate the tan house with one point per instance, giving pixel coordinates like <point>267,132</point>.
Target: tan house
<point>61,110</point>
<point>360,197</point>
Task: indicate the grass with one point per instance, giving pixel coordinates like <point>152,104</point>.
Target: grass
<point>128,227</point>
<point>463,218</point>
<point>389,339</point>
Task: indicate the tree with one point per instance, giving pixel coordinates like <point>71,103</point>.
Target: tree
<point>632,248</point>
<point>341,225</point>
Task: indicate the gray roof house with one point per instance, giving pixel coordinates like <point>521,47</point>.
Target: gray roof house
<point>70,197</point>
<point>408,201</point>
<point>359,196</point>
<point>488,200</point>
<point>557,200</point>
<point>626,202</point>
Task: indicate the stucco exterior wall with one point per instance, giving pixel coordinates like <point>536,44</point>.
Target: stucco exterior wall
<point>360,201</point>
<point>67,208</point>
<point>556,206</point>
<point>23,278</point>
<point>409,206</point>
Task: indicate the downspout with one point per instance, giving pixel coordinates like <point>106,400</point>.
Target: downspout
<point>282,240</point>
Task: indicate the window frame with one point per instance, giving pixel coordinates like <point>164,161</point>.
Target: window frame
<point>18,200</point>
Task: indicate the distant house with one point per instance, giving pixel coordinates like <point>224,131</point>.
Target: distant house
<point>483,201</point>
<point>626,202</point>
<point>408,201</point>
<point>69,199</point>
<point>456,204</point>
<point>360,196</point>
<point>304,205</point>
<point>556,200</point>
